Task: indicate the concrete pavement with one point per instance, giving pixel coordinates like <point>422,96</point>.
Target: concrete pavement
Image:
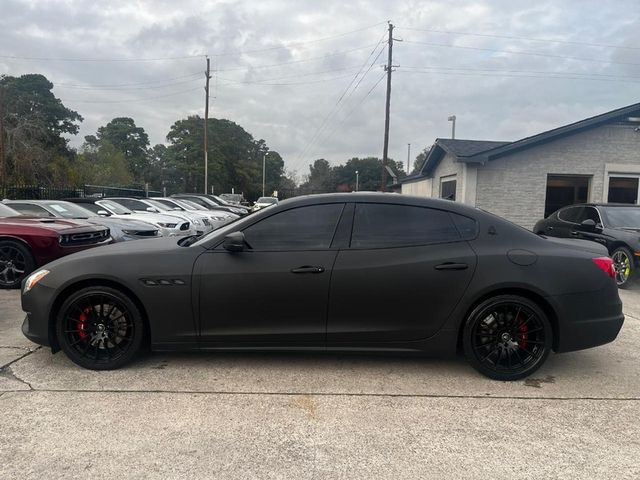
<point>317,416</point>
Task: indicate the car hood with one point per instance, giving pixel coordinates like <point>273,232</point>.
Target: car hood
<point>58,224</point>
<point>577,244</point>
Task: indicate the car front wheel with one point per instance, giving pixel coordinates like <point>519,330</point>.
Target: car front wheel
<point>16,262</point>
<point>507,337</point>
<point>99,328</point>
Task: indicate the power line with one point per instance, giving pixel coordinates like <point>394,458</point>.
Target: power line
<point>507,75</point>
<point>308,82</point>
<point>295,44</point>
<point>335,109</point>
<point>521,52</point>
<point>131,100</point>
<point>141,87</point>
<point>310,59</point>
<point>107,85</point>
<point>606,75</point>
<point>63,59</point>
<point>513,37</point>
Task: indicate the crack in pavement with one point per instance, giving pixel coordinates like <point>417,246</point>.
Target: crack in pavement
<point>323,394</point>
<point>7,372</point>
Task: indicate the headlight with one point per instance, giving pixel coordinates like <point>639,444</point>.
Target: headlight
<point>34,279</point>
<point>167,225</point>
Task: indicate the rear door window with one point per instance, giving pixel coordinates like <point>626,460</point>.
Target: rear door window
<point>378,225</point>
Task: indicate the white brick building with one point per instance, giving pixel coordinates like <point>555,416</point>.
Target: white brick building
<point>593,160</point>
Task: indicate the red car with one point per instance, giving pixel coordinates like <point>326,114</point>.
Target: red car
<point>27,243</point>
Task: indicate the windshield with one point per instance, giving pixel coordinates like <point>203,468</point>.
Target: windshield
<point>222,201</point>
<point>160,206</point>
<point>7,211</point>
<point>621,217</point>
<point>167,203</point>
<point>69,210</point>
<point>267,200</point>
<point>116,208</point>
<point>189,205</point>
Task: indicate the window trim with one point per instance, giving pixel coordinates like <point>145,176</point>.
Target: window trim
<point>567,208</point>
<point>448,212</point>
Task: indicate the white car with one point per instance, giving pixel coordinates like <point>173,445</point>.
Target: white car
<point>264,202</point>
<point>169,226</point>
<point>200,222</point>
<point>217,218</point>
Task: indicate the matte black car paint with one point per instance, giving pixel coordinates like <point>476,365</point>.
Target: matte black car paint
<point>386,299</point>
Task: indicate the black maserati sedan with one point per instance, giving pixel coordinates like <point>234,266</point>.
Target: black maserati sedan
<point>616,226</point>
<point>357,272</point>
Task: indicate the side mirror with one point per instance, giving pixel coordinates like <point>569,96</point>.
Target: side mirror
<point>589,224</point>
<point>103,213</point>
<point>234,242</point>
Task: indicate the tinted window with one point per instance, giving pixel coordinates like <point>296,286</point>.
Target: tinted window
<point>589,213</point>
<point>467,227</point>
<point>93,207</point>
<point>379,225</point>
<point>570,214</point>
<point>30,210</point>
<point>622,216</point>
<point>6,211</point>
<point>301,228</point>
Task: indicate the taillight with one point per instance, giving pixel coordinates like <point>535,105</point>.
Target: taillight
<point>606,265</point>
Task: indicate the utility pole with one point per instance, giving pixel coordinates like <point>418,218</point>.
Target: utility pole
<point>357,180</point>
<point>264,169</point>
<point>452,119</point>
<point>408,157</point>
<point>385,150</point>
<point>206,127</point>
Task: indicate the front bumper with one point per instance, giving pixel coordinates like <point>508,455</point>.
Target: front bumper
<point>34,334</point>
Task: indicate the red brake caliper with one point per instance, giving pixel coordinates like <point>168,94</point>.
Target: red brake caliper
<point>83,318</point>
<point>523,334</point>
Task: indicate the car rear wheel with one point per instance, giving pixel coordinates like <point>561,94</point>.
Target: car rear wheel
<point>16,262</point>
<point>623,265</point>
<point>507,337</point>
<point>99,328</point>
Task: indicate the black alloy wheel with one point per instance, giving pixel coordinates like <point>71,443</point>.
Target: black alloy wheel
<point>624,266</point>
<point>16,262</point>
<point>99,328</point>
<point>507,337</point>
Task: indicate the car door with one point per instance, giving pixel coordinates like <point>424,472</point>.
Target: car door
<point>594,234</point>
<point>566,223</point>
<point>406,269</point>
<point>276,290</point>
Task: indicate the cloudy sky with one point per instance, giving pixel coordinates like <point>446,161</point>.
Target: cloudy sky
<point>307,76</point>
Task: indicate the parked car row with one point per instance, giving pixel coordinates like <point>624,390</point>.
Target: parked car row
<point>34,232</point>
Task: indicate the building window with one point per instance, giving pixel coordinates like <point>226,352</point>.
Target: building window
<point>448,188</point>
<point>563,190</point>
<point>623,189</point>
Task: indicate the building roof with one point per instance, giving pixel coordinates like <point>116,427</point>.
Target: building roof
<point>480,151</point>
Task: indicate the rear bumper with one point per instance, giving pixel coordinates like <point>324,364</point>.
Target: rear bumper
<point>587,320</point>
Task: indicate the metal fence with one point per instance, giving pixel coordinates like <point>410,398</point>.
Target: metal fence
<point>49,192</point>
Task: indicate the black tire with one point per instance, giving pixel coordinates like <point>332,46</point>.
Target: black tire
<point>99,328</point>
<point>16,262</point>
<point>624,264</point>
<point>507,337</point>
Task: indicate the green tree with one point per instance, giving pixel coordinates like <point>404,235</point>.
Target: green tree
<point>35,121</point>
<point>131,141</point>
<point>419,160</point>
<point>369,174</point>
<point>235,158</point>
<point>103,164</point>
<point>320,178</point>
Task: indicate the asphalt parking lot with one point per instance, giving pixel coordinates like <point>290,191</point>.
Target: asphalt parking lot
<point>317,416</point>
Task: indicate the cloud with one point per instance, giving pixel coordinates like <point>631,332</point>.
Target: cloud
<point>495,95</point>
